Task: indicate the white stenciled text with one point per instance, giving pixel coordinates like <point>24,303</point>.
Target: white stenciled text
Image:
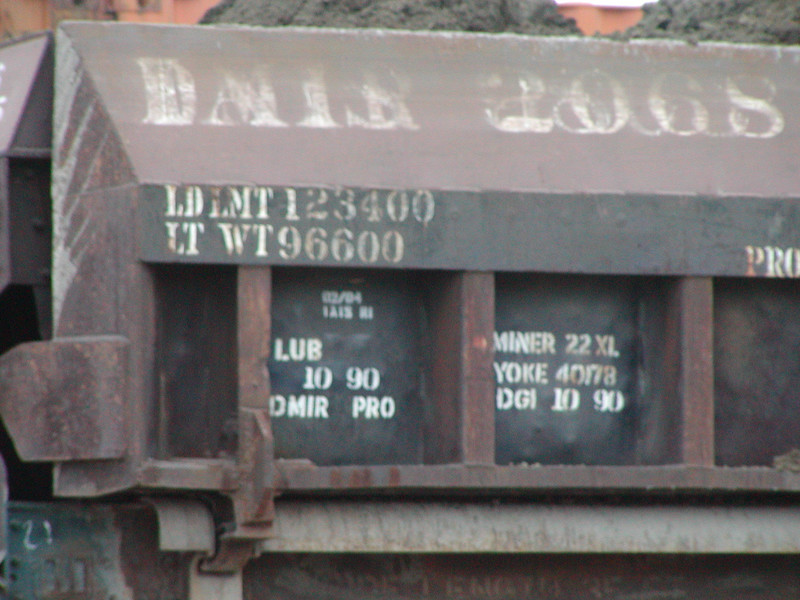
<point>570,370</point>
<point>289,224</point>
<point>772,261</point>
<point>672,103</point>
<point>250,99</point>
<point>325,390</point>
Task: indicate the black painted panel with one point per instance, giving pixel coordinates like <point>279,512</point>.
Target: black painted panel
<point>757,372</point>
<point>346,366</point>
<point>196,361</point>
<point>461,230</point>
<point>566,355</point>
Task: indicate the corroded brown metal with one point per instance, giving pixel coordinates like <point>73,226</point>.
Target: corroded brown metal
<point>696,386</point>
<point>302,478</point>
<point>254,300</point>
<point>477,301</point>
<point>490,112</point>
<point>356,149</point>
<point>688,144</point>
<point>66,399</point>
<point>253,503</point>
<point>455,182</point>
<point>96,291</point>
<point>460,423</point>
<point>444,428</point>
<point>112,549</point>
<point>506,577</point>
<point>482,525</point>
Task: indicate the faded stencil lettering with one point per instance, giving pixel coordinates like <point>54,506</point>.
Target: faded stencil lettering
<point>386,109</point>
<point>595,104</point>
<point>591,102</point>
<point>520,114</point>
<point>33,540</point>
<point>772,262</point>
<point>249,101</point>
<point>586,370</point>
<point>747,110</point>
<point>318,111</point>
<point>170,92</point>
<point>673,103</point>
<point>317,224</point>
<point>665,108</point>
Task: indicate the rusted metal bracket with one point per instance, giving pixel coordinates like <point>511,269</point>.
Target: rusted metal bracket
<point>231,556</point>
<point>253,496</point>
<point>183,525</point>
<point>66,399</point>
<point>188,526</point>
<point>253,501</point>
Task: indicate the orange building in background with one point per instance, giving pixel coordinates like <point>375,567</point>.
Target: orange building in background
<point>600,19</point>
<point>18,17</point>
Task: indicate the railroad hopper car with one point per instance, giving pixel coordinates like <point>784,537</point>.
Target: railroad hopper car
<point>304,313</point>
